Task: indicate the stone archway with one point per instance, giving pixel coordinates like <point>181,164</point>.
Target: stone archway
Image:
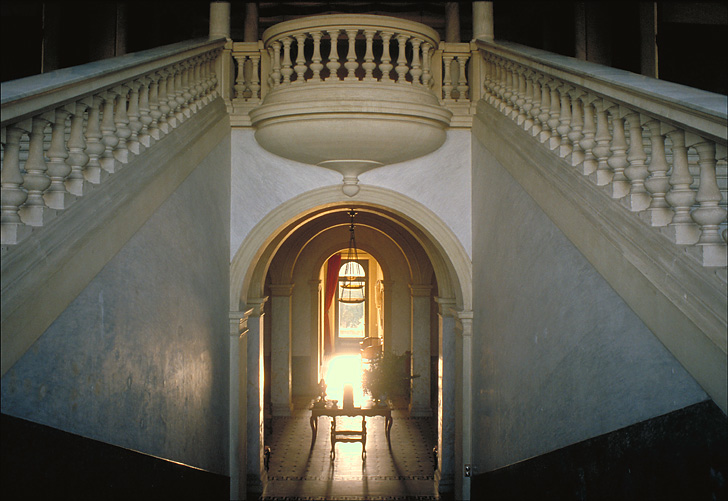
<point>452,268</point>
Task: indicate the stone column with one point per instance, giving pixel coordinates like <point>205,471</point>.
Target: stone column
<point>463,403</point>
<point>250,28</point>
<point>483,20</point>
<point>446,397</point>
<point>648,39</point>
<point>255,380</point>
<point>280,344</point>
<point>219,19</point>
<point>420,347</point>
<point>238,402</point>
<point>452,22</point>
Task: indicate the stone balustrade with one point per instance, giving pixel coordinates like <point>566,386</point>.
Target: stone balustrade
<point>657,148</point>
<point>336,49</point>
<point>65,132</point>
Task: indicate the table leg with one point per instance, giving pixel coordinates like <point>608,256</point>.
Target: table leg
<point>388,427</point>
<point>314,430</point>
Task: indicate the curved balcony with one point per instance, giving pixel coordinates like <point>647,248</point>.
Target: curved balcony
<point>374,106</point>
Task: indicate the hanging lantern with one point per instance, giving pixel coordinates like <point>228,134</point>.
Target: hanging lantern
<point>352,277</point>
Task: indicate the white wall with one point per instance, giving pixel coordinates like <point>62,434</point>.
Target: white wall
<point>139,359</point>
<point>558,356</point>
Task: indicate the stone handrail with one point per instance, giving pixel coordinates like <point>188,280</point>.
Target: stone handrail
<point>657,148</point>
<point>66,131</point>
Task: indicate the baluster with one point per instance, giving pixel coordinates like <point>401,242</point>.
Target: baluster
<point>351,64</point>
<point>524,99</point>
<point>316,65</point>
<point>619,187</point>
<point>214,89</point>
<point>564,127</point>
<point>385,66</point>
<point>108,133</point>
<point>94,146</point>
<point>154,112</point>
<point>287,69</point>
<point>240,81</point>
<point>255,80</point>
<point>709,215</point>
<point>681,196</point>
<point>333,64</point>
<point>194,85</point>
<point>276,73</point>
<point>56,196</point>
<point>135,125</point>
<point>164,108</point>
<point>447,79</point>
<point>199,83</point>
<point>499,88</point>
<point>77,157</point>
<point>186,90</point>
<point>462,87</point>
<point>587,142</point>
<point>300,67</point>
<point>209,80</point>
<point>602,176</point>
<point>506,106</point>
<point>536,105</point>
<point>13,196</point>
<point>416,70</point>
<point>36,180</point>
<point>402,68</point>
<point>545,106</point>
<point>427,80</point>
<point>576,126</point>
<point>145,118</point>
<point>489,79</point>
<point>171,101</point>
<point>121,121</point>
<point>638,199</point>
<point>178,92</point>
<point>554,141</point>
<point>513,83</point>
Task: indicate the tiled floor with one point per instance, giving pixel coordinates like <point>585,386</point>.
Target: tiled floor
<point>299,472</point>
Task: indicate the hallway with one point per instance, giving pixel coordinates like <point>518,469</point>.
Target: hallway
<point>298,472</point>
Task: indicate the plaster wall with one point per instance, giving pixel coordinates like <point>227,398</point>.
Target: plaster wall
<point>139,359</point>
<point>558,356</point>
<point>440,181</point>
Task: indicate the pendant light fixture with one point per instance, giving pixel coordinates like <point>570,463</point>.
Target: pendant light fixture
<point>352,282</point>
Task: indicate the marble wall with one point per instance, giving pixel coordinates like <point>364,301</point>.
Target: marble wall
<point>139,359</point>
<point>558,356</point>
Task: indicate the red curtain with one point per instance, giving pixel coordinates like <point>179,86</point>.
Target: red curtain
<point>332,279</point>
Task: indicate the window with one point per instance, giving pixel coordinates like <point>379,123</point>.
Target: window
<point>352,300</point>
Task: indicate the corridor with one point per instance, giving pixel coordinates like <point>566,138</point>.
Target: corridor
<point>297,471</point>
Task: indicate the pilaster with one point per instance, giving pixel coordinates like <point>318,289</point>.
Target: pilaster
<point>255,379</point>
<point>463,402</point>
<point>420,348</point>
<point>238,402</point>
<point>281,316</point>
<point>444,475</point>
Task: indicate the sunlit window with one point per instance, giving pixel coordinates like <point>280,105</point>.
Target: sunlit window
<point>352,301</point>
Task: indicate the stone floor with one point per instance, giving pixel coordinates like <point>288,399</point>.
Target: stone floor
<point>298,471</point>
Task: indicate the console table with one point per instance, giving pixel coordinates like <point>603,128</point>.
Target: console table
<point>338,435</point>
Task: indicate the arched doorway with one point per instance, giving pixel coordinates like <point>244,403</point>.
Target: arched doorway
<point>291,245</point>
